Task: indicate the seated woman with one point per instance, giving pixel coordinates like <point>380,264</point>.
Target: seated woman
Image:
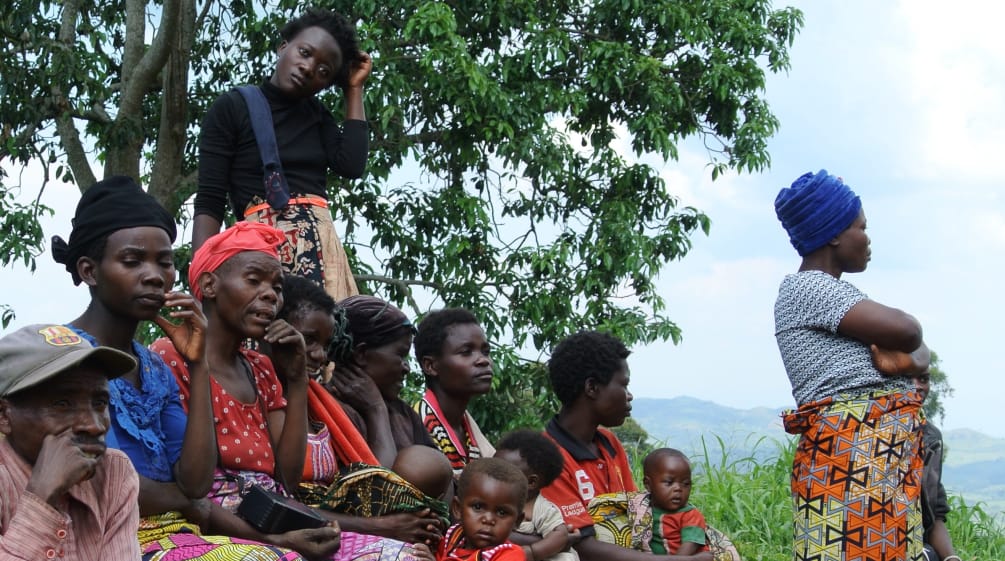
<point>454,355</point>
<point>371,363</point>
<point>261,435</point>
<point>120,247</point>
<point>361,499</point>
<point>589,375</point>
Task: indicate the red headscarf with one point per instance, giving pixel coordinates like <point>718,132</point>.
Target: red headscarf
<point>243,236</point>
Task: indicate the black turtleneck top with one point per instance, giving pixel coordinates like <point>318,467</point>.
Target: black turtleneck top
<point>310,143</point>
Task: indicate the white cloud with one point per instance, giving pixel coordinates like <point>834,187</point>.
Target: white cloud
<point>725,311</point>
<point>989,226</point>
<point>955,62</point>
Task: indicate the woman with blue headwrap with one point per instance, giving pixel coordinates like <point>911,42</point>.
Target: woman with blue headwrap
<point>857,470</point>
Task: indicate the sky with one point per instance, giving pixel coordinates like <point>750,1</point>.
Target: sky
<point>905,101</point>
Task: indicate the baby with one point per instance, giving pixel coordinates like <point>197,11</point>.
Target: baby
<point>678,527</point>
<point>489,504</point>
<point>543,529</point>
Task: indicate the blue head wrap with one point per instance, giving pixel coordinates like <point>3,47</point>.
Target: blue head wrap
<point>815,209</point>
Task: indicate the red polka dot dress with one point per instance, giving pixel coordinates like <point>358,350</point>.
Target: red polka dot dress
<point>242,436</point>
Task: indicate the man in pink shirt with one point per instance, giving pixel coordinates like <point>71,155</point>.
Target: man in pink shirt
<point>62,494</point>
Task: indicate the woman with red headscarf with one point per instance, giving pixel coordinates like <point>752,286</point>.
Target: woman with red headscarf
<point>260,439</point>
<point>261,433</point>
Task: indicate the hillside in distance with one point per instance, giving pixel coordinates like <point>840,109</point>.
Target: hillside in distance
<point>683,422</point>
<point>973,464</point>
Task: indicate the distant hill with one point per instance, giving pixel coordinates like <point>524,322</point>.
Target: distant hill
<point>973,466</point>
<point>683,422</point>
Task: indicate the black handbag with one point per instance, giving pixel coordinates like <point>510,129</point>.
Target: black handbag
<point>272,513</point>
<point>269,512</point>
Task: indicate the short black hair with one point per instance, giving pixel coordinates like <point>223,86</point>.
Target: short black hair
<point>540,453</point>
<point>432,330</point>
<point>302,295</point>
<point>584,355</point>
<point>498,469</point>
<point>652,457</point>
<point>338,26</point>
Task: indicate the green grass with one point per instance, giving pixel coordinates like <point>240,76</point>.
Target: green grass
<point>749,500</point>
<point>976,534</point>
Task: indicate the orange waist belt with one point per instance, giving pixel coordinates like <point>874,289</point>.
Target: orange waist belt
<point>305,200</point>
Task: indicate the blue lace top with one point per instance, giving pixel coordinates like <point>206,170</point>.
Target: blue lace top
<point>148,424</point>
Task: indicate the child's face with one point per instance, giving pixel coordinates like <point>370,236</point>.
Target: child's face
<point>669,482</point>
<point>463,367</point>
<point>488,512</point>
<point>514,457</point>
<point>923,383</point>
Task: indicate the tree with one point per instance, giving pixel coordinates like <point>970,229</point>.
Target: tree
<point>635,440</point>
<point>505,137</point>
<point>23,219</point>
<point>940,389</point>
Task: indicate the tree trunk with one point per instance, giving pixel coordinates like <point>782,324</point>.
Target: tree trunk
<point>166,175</point>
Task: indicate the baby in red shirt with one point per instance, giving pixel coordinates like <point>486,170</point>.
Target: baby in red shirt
<point>489,503</point>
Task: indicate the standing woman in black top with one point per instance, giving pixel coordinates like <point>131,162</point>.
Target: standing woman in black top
<point>319,49</point>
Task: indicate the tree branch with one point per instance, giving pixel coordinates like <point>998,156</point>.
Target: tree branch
<point>141,65</point>
<point>20,139</point>
<point>68,135</point>
<point>76,155</point>
<point>164,181</point>
<point>404,284</point>
<point>201,18</point>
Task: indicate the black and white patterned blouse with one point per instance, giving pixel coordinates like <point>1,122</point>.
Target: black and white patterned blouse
<point>819,361</point>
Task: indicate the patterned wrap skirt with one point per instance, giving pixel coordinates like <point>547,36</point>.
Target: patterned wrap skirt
<point>856,478</point>
<point>370,491</point>
<point>230,487</point>
<point>190,546</point>
<point>312,249</point>
<point>169,537</point>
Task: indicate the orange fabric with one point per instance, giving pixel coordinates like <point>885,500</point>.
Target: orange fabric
<point>453,548</point>
<point>581,480</point>
<point>306,200</point>
<point>349,445</point>
<point>243,236</point>
<point>856,477</point>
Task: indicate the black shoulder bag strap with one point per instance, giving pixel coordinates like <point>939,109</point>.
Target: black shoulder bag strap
<point>277,192</point>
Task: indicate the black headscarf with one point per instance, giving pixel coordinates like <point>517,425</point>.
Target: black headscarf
<point>110,205</point>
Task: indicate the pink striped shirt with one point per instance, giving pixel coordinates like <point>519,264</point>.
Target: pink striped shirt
<point>98,520</point>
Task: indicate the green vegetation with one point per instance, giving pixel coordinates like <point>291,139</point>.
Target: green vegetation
<point>940,390</point>
<point>976,534</point>
<point>749,500</point>
<point>509,141</point>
